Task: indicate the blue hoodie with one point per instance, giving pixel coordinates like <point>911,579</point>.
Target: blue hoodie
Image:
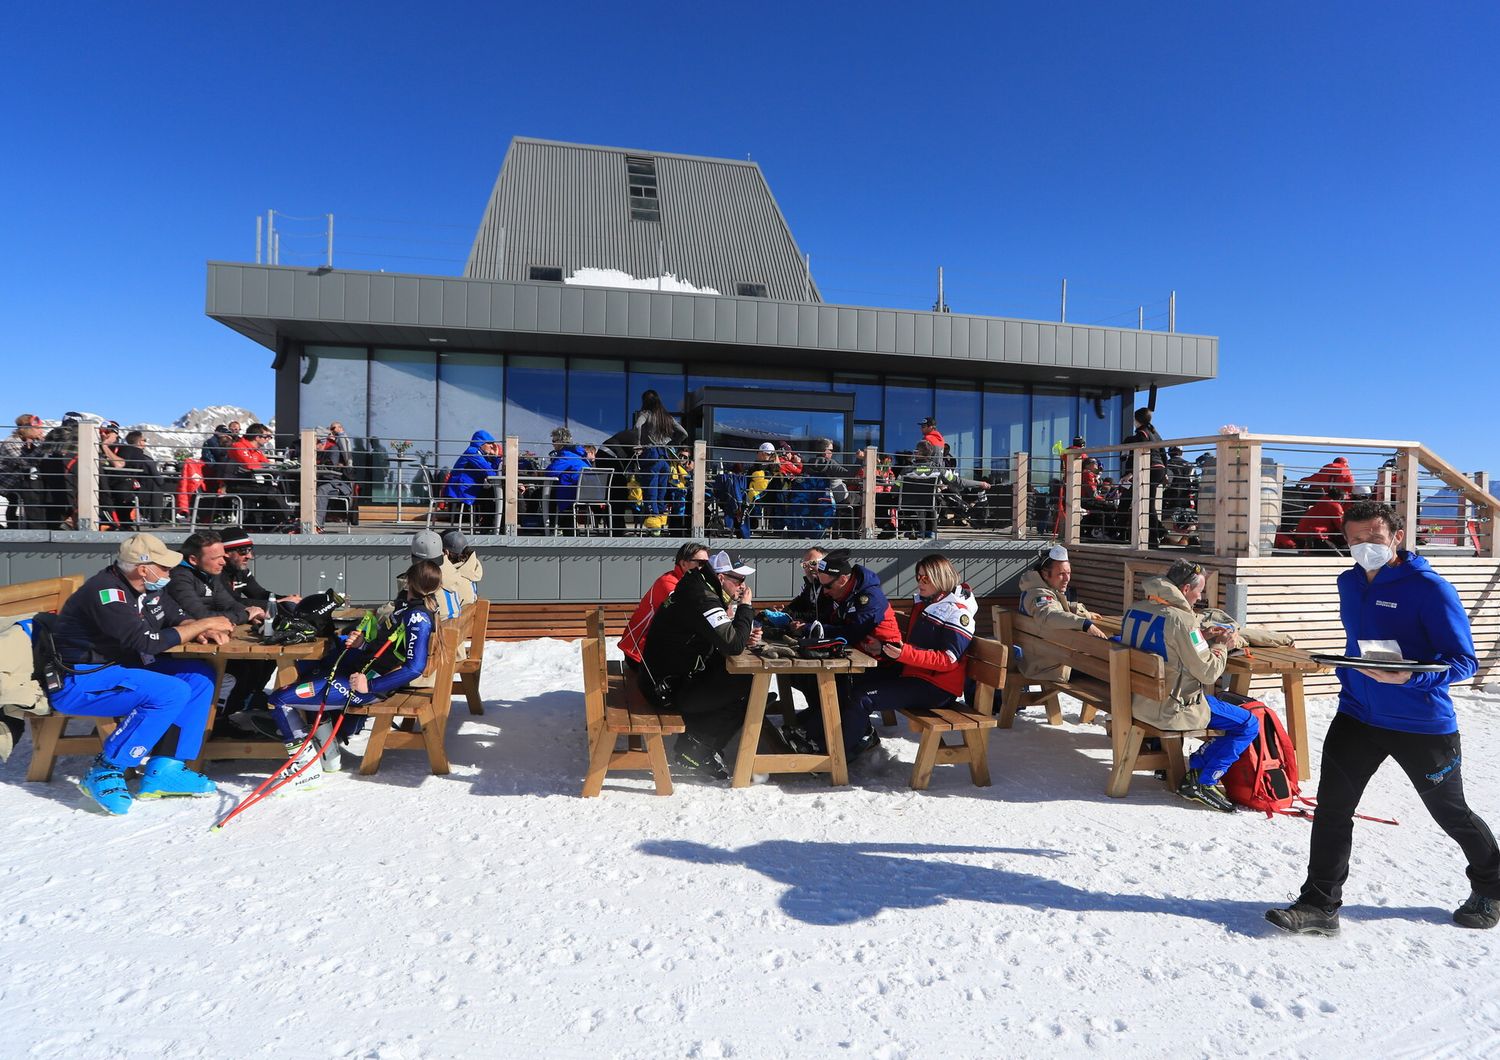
<point>466,480</point>
<point>1413,605</point>
<point>565,467</point>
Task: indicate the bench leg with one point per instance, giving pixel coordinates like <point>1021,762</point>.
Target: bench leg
<point>379,731</point>
<point>1010,700</point>
<point>888,718</point>
<point>599,754</point>
<point>432,742</point>
<point>1054,709</point>
<point>979,763</point>
<point>470,685</point>
<point>1119,780</point>
<point>656,751</point>
<point>1087,714</point>
<point>1176,762</point>
<point>927,751</point>
<point>45,732</point>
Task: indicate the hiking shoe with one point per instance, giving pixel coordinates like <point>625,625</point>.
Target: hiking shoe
<point>105,784</point>
<point>169,778</point>
<point>1478,912</point>
<point>1303,919</point>
<point>692,753</point>
<point>1209,794</point>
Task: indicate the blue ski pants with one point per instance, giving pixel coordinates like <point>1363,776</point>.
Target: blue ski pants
<point>1240,728</point>
<point>149,701</point>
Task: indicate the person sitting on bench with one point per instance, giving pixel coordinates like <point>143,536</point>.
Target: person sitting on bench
<point>1044,599</point>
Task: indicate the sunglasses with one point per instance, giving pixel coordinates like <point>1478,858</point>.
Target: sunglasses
<point>244,550</point>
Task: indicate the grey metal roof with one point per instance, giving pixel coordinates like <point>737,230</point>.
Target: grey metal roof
<point>276,303</point>
<point>568,205</point>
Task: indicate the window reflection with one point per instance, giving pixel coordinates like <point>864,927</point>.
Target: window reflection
<point>907,401</point>
<point>335,383</point>
<point>403,408</point>
<point>745,429</point>
<point>534,399</point>
<point>471,397</point>
<point>596,399</point>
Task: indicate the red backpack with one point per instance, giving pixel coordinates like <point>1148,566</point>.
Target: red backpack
<point>1265,777</point>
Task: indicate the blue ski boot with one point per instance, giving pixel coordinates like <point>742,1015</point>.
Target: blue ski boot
<point>105,784</point>
<point>168,778</point>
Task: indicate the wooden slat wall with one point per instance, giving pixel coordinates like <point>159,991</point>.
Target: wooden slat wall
<point>1298,595</point>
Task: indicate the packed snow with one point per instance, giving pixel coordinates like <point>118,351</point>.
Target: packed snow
<point>493,912</point>
<point>592,277</point>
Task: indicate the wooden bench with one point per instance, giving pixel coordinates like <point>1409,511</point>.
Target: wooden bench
<point>49,732</point>
<point>613,707</point>
<point>986,666</point>
<point>466,671</point>
<point>1105,677</point>
<point>427,708</point>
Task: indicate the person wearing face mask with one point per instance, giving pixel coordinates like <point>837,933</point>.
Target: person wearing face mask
<point>110,637</point>
<point>1394,595</point>
<point>1163,623</point>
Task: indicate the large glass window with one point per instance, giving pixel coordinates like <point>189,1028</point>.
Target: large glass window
<point>958,419</point>
<point>335,384</point>
<point>596,399</point>
<point>534,400</point>
<point>663,377</point>
<point>761,378</point>
<point>868,394</point>
<point>471,397</point>
<point>743,430</point>
<point>1007,413</point>
<point>1054,415</point>
<point>907,403</point>
<point>403,408</point>
<point>1100,422</point>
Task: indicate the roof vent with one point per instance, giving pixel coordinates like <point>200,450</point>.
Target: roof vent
<point>644,202</point>
<point>751,290</point>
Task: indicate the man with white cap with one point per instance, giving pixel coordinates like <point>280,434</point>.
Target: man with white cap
<point>109,638</point>
<point>682,668</point>
<point>1044,598</point>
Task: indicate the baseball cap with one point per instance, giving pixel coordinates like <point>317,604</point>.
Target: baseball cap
<point>425,544</point>
<point>724,563</point>
<point>454,541</point>
<point>767,447</point>
<point>837,563</point>
<point>927,421</point>
<point>236,537</point>
<point>147,548</point>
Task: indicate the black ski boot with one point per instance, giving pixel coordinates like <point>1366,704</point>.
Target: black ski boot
<point>1303,919</point>
<point>1208,794</point>
<point>692,753</point>
<point>1478,912</point>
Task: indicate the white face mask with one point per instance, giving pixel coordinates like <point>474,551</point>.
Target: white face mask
<point>1370,555</point>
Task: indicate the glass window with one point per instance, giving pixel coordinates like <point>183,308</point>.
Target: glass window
<point>1054,416</point>
<point>762,379</point>
<point>403,408</point>
<point>534,400</point>
<point>596,399</point>
<point>335,386</point>
<point>958,420</point>
<point>1007,412</point>
<point>663,377</point>
<point>907,402</point>
<point>471,397</point>
<point>743,430</point>
<point>1101,422</point>
<point>866,435</point>
<point>867,391</point>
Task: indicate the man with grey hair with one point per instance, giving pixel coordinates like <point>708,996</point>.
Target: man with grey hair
<point>1163,623</point>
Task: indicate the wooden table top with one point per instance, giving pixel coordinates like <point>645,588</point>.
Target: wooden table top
<point>243,643</point>
<point>1254,660</point>
<point>748,663</point>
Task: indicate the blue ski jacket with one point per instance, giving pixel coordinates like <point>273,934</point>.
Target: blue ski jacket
<point>1413,605</point>
<point>466,480</point>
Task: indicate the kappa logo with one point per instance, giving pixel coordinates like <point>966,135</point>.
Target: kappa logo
<point>138,751</point>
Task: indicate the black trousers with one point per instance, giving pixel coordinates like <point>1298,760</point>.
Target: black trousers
<point>1352,752</point>
<point>712,704</point>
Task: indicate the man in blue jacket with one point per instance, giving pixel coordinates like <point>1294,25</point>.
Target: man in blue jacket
<point>1394,595</point>
<point>466,482</point>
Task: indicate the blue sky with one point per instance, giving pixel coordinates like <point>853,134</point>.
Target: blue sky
<point>1317,182</point>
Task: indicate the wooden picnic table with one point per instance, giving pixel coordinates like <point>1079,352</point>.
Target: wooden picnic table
<point>244,644</point>
<point>750,760</point>
<point>1290,663</point>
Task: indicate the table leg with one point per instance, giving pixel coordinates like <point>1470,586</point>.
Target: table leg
<point>213,714</point>
<point>833,729</point>
<point>1296,720</point>
<point>1239,682</point>
<point>755,716</point>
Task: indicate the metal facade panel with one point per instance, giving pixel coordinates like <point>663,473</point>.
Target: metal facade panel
<point>595,311</point>
<point>994,346</point>
<point>616,313</point>
<point>430,303</point>
<point>382,299</point>
<point>627,577</point>
<point>579,578</point>
<point>961,331</point>
<point>807,325</point>
<point>726,327</point>
<point>502,575</point>
<point>406,308</point>
<point>455,305</point>
<point>548,308</point>
<point>828,328</point>
<point>331,295</point>
<point>1174,354</point>
<point>942,335</point>
<point>922,340</point>
<point>280,294</point>
<point>865,330</point>
<point>682,316</point>
<point>305,295</point>
<point>476,305</point>
<point>1046,345</point>
<point>540,578</point>
<point>1158,361</point>
<point>746,320</point>
<point>885,332</point>
<point>1129,348</point>
<point>1028,342</point>
<point>571,309</point>
<point>503,307</point>
<point>640,314</point>
<point>703,319</point>
<point>1111,350</point>
<point>255,291</point>
<point>526,312</point>
<point>224,291</point>
<point>906,333</point>
<point>661,317</point>
<point>1096,348</point>
<point>786,324</point>
<point>848,329</point>
<point>765,322</point>
<point>1063,349</point>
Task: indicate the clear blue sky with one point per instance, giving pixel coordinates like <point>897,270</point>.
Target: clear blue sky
<point>1317,181</point>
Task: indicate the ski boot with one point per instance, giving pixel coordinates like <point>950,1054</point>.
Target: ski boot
<point>169,778</point>
<point>692,753</point>
<point>105,784</point>
<point>332,759</point>
<point>304,773</point>
<point>1209,794</point>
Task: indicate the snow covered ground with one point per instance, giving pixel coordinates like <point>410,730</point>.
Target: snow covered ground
<point>494,913</point>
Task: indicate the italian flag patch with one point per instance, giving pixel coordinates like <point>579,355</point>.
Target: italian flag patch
<point>111,596</point>
<point>1193,635</point>
<point>305,691</point>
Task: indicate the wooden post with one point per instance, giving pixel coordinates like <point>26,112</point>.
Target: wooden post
<point>1020,501</point>
<point>867,500</point>
<point>1255,513</point>
<point>307,480</point>
<point>1140,497</point>
<point>1223,468</point>
<point>88,476</point>
<point>1385,486</point>
<point>1489,541</point>
<point>700,487</point>
<point>1407,492</point>
<point>1072,497</point>
<point>512,484</point>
